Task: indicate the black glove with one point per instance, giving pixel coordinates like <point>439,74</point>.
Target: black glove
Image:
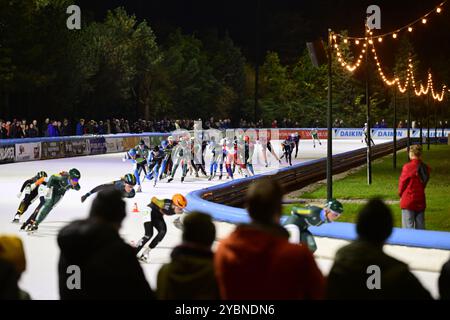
<point>83,198</point>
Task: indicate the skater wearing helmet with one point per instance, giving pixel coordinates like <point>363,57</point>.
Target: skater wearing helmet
<point>30,196</point>
<point>125,185</point>
<point>301,218</point>
<point>159,208</point>
<point>140,164</point>
<point>57,186</point>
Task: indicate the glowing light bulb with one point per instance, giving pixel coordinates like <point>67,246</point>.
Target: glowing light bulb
<point>410,29</point>
<point>394,36</point>
<point>345,40</point>
<point>438,10</point>
<point>356,41</point>
<point>424,20</point>
<point>380,39</point>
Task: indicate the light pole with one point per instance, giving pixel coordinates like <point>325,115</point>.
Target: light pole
<point>329,117</point>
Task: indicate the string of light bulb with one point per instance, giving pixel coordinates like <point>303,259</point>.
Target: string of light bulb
<point>394,34</point>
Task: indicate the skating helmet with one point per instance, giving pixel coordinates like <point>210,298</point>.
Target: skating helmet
<point>41,174</point>
<point>164,144</point>
<point>246,138</point>
<point>142,143</point>
<point>132,152</point>
<point>170,138</point>
<point>179,200</point>
<point>74,174</point>
<point>156,148</point>
<point>129,179</point>
<point>335,206</point>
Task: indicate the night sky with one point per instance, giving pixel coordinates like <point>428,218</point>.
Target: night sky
<point>285,25</point>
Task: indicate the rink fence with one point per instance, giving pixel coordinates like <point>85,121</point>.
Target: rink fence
<point>30,149</point>
<point>221,201</point>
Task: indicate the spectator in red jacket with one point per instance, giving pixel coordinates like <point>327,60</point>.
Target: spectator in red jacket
<point>257,261</point>
<point>411,189</point>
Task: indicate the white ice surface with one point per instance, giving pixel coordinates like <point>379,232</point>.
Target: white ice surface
<point>41,278</point>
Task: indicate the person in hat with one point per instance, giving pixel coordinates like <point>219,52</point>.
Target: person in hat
<point>190,274</point>
<point>301,218</point>
<point>12,265</point>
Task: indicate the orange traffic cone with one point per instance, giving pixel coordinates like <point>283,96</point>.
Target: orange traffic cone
<point>135,207</point>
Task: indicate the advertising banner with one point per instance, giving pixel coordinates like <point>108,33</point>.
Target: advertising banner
<point>78,147</point>
<point>28,151</point>
<point>52,149</point>
<point>7,153</point>
<point>97,145</point>
<point>130,142</point>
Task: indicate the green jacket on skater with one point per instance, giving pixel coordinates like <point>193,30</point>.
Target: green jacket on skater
<point>301,218</point>
<point>57,185</point>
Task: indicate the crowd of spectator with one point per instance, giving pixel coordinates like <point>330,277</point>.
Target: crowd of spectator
<point>17,129</point>
<point>256,261</point>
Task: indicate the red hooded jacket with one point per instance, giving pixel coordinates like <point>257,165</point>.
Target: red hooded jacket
<point>259,263</point>
<point>410,188</point>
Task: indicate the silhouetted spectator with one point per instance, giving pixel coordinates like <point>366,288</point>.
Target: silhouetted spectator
<point>12,265</point>
<point>44,130</point>
<point>80,128</point>
<point>411,189</point>
<point>257,261</point>
<point>66,129</point>
<point>109,268</point>
<point>350,274</point>
<point>444,282</point>
<point>190,274</point>
<point>32,132</point>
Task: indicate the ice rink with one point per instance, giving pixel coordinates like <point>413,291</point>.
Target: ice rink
<point>41,278</point>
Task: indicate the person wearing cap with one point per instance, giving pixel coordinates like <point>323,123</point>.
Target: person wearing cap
<point>12,265</point>
<point>257,261</point>
<point>411,190</point>
<point>57,186</point>
<point>108,266</point>
<point>125,185</point>
<point>159,208</point>
<point>190,275</point>
<point>353,274</point>
<point>301,218</point>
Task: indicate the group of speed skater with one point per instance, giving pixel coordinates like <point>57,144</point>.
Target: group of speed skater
<point>163,162</point>
<point>188,153</point>
<point>51,189</point>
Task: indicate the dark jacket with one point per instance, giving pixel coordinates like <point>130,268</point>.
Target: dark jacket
<point>109,268</point>
<point>190,275</point>
<point>444,282</point>
<point>349,275</point>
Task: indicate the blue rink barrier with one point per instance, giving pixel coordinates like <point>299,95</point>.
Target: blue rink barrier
<point>339,230</point>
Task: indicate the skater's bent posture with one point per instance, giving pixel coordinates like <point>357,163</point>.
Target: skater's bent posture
<point>57,186</point>
<point>159,208</point>
<point>124,185</point>
<point>301,218</point>
<point>30,196</point>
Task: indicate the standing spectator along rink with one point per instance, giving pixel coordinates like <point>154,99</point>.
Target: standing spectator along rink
<point>41,276</point>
